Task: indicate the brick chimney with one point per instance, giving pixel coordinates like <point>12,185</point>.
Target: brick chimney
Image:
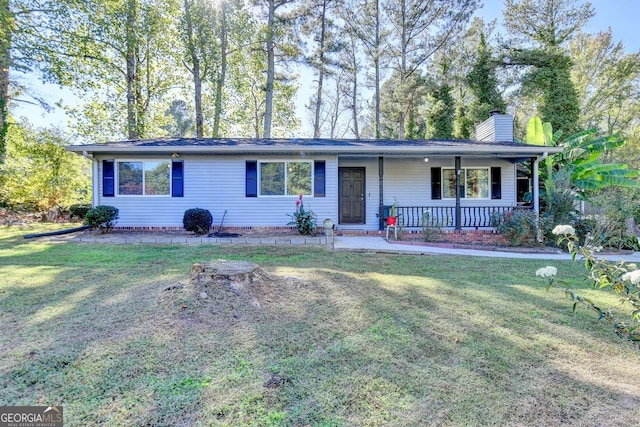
<point>498,127</point>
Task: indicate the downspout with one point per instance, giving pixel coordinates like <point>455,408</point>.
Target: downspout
<point>94,177</point>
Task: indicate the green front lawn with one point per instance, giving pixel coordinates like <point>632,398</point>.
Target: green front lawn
<point>338,339</point>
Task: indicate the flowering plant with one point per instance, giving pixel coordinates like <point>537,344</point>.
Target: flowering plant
<point>518,227</point>
<point>619,277</point>
<point>304,220</point>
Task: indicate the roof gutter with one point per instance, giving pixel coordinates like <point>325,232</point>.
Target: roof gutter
<point>275,149</point>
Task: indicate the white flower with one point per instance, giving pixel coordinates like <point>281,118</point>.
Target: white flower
<point>632,276</point>
<point>564,230</point>
<point>547,271</point>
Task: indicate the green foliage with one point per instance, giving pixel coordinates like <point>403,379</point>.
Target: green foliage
<point>518,227</point>
<point>393,210</point>
<point>558,204</point>
<point>582,155</point>
<point>606,78</point>
<point>431,228</point>
<point>547,82</point>
<point>402,99</point>
<point>539,29</point>
<point>560,105</point>
<point>304,220</point>
<point>483,83</point>
<point>79,210</point>
<point>581,159</point>
<point>197,220</point>
<point>612,215</point>
<point>102,217</point>
<point>620,278</point>
<point>180,124</point>
<point>38,174</point>
<point>441,113</point>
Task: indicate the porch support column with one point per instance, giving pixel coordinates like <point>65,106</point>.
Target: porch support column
<point>458,168</point>
<point>536,183</point>
<point>381,193</point>
<point>531,180</point>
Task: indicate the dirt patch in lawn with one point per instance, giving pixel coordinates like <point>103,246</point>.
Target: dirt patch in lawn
<point>228,290</point>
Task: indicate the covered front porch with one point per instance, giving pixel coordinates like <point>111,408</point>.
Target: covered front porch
<point>431,190</point>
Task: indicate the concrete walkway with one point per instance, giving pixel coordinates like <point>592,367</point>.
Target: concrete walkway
<point>378,244</point>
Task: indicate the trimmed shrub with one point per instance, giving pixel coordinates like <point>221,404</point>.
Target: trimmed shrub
<point>197,220</point>
<point>101,217</point>
<point>80,210</point>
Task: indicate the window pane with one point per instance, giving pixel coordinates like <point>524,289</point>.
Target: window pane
<point>449,183</point>
<point>130,178</point>
<point>156,178</point>
<point>298,178</point>
<point>272,179</point>
<point>477,184</point>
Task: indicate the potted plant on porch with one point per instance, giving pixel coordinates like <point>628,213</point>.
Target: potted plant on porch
<point>393,214</point>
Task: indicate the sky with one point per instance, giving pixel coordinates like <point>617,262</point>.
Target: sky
<point>621,15</point>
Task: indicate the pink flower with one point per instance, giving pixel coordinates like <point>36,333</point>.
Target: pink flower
<point>297,202</point>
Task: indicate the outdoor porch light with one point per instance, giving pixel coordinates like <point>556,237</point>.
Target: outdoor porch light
<point>175,155</point>
<point>426,159</point>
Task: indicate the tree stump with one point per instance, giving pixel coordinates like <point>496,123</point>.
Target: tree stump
<point>242,277</point>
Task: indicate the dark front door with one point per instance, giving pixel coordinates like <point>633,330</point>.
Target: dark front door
<point>352,195</point>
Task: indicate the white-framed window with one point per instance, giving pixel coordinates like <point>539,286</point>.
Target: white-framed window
<point>144,177</point>
<point>474,183</point>
<point>285,178</point>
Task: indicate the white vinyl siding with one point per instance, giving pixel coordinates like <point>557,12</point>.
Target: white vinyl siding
<point>409,181</point>
<point>217,183</point>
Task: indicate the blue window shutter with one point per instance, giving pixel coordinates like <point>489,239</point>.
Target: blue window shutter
<point>108,178</point>
<point>496,183</point>
<point>252,178</point>
<point>177,178</point>
<point>436,183</point>
<point>319,178</point>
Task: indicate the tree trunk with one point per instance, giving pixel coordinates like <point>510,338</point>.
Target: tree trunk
<point>323,24</point>
<point>403,66</point>
<point>197,95</point>
<point>195,70</point>
<point>132,78</point>
<point>353,58</point>
<point>376,61</point>
<point>268,108</point>
<point>223,72</point>
<point>354,106</point>
<point>6,32</point>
